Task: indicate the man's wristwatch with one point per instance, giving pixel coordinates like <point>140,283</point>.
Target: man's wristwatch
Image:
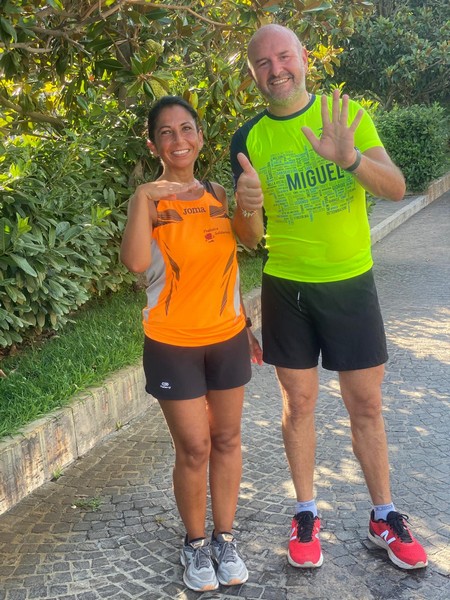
<point>355,165</point>
<point>248,322</point>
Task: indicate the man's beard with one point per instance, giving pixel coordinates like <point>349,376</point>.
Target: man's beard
<point>296,92</point>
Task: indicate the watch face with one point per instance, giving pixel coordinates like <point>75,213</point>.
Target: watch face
<point>248,322</point>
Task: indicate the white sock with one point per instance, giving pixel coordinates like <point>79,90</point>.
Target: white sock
<point>304,506</point>
<point>382,510</point>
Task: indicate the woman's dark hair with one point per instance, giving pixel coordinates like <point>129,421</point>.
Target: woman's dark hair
<point>163,103</point>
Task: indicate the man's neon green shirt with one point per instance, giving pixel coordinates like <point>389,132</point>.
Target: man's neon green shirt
<point>317,228</point>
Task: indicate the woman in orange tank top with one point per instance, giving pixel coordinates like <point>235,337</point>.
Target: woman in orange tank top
<point>197,348</point>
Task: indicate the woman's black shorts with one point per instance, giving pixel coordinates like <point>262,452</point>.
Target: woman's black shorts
<point>181,372</point>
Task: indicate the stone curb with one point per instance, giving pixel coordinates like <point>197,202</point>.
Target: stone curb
<point>435,190</point>
<point>49,445</point>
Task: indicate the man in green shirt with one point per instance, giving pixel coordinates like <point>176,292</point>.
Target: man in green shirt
<point>302,168</point>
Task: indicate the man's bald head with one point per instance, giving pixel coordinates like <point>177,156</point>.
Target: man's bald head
<point>269,30</point>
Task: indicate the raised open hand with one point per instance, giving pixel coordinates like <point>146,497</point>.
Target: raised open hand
<point>337,142</point>
<point>169,190</point>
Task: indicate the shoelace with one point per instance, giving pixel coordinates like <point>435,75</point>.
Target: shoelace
<point>228,552</point>
<point>305,527</point>
<point>397,522</point>
<point>202,558</point>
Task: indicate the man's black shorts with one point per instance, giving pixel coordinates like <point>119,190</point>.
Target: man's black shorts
<point>181,372</point>
<point>341,319</point>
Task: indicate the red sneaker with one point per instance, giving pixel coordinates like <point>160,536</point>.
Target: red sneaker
<point>394,536</point>
<point>304,544</point>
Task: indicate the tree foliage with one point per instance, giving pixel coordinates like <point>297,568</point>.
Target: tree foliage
<point>53,53</point>
<point>401,54</point>
<point>76,81</point>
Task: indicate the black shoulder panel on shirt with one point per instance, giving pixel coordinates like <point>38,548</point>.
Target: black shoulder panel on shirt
<point>239,143</point>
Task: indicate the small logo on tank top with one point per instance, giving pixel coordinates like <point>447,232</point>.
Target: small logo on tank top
<point>165,385</point>
<point>193,211</point>
<point>210,234</point>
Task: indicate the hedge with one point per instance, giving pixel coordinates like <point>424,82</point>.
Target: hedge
<point>416,137</point>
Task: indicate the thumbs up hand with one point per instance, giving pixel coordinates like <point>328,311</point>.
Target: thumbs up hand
<point>249,194</point>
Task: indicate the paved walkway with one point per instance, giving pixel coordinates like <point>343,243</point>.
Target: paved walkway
<point>55,545</point>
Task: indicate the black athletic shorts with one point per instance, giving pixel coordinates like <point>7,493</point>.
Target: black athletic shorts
<point>181,372</point>
<point>341,320</point>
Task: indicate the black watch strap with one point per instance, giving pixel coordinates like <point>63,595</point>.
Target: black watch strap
<point>248,322</point>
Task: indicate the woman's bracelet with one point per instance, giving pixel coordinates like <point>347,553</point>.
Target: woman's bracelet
<point>247,213</point>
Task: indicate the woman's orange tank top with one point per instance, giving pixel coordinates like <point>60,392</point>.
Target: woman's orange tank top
<point>193,294</point>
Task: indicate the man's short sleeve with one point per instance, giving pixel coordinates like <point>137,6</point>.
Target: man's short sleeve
<point>237,145</point>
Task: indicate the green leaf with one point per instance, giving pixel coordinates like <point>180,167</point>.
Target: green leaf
<point>72,232</point>
<point>137,67</point>
<point>150,63</point>
<point>322,6</point>
<point>8,28</point>
<point>98,44</point>
<point>51,237</point>
<point>16,295</point>
<point>61,228</point>
<point>56,4</point>
<point>96,29</point>
<point>9,62</point>
<point>23,264</point>
<point>157,14</point>
<point>57,289</point>
<point>82,102</point>
<point>22,225</point>
<point>108,64</point>
<point>40,317</point>
<point>275,8</point>
<point>5,234</point>
<point>147,89</point>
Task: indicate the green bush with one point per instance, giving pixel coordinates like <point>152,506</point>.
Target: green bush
<point>401,57</point>
<point>416,137</point>
<point>62,213</point>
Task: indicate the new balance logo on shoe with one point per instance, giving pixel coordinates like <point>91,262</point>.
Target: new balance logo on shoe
<point>384,535</point>
<point>293,534</point>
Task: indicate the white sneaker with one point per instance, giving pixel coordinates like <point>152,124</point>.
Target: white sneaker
<point>231,569</point>
<point>199,574</point>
